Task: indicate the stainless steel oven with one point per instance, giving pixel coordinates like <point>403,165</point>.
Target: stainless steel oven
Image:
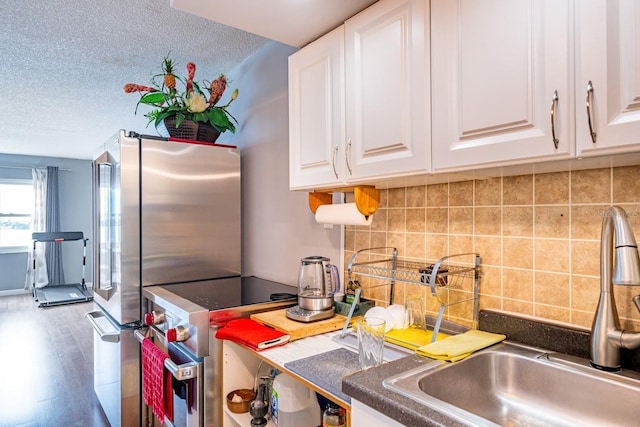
<point>183,318</point>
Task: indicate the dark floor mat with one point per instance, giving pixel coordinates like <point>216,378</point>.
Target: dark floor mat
<point>59,295</point>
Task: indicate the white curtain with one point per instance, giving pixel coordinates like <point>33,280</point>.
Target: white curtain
<point>39,218</point>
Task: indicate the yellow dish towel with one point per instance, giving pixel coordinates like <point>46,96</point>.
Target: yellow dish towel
<point>460,346</point>
<point>411,338</point>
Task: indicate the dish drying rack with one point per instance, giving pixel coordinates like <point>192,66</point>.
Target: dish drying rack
<point>451,280</point>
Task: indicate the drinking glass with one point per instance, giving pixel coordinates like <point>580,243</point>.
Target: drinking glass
<point>416,311</point>
<point>370,341</point>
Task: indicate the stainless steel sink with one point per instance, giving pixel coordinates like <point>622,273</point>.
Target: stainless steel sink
<point>513,385</point>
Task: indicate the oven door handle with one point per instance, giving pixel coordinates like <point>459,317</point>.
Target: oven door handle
<point>186,371</point>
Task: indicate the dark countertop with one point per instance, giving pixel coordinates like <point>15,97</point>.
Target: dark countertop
<point>338,373</point>
<point>366,386</point>
<point>326,370</point>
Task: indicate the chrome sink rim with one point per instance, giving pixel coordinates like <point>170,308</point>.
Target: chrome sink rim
<point>407,383</point>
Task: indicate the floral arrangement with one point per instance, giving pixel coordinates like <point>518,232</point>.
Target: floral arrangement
<point>191,104</point>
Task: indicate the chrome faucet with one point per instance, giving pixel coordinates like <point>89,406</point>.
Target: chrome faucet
<point>607,339</point>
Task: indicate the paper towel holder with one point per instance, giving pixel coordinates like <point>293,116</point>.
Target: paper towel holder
<point>366,197</point>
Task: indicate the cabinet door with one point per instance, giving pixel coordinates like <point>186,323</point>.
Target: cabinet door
<point>496,65</point>
<point>387,98</point>
<point>608,46</point>
<point>365,416</point>
<point>316,109</point>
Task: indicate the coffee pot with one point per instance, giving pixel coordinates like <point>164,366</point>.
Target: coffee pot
<point>317,282</point>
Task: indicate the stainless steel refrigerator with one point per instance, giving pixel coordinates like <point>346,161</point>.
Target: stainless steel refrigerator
<point>164,212</point>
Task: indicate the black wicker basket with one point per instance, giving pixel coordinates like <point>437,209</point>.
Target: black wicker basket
<point>195,131</point>
<point>207,133</point>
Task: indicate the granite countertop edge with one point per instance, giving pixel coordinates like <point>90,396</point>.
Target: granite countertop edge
<point>366,386</point>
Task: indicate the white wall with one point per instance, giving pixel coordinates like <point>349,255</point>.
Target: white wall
<point>278,227</point>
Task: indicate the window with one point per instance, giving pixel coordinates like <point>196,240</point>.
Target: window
<point>16,208</point>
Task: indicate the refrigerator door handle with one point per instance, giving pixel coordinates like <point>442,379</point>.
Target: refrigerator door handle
<point>98,320</point>
<point>103,217</point>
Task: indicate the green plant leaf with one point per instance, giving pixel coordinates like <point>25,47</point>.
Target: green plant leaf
<point>199,117</point>
<point>179,119</point>
<point>152,98</point>
<point>219,119</point>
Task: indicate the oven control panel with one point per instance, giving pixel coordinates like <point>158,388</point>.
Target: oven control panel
<point>177,334</point>
<point>154,318</point>
<point>161,319</point>
<point>180,321</point>
<point>175,328</point>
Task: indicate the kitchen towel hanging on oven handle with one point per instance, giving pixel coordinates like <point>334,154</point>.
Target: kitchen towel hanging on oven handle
<point>156,381</point>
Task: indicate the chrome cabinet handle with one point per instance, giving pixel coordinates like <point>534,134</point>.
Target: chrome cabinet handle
<point>554,106</point>
<point>347,154</point>
<point>589,101</point>
<point>335,155</point>
<point>636,301</point>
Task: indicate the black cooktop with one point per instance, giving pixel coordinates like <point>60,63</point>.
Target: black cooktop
<point>231,292</point>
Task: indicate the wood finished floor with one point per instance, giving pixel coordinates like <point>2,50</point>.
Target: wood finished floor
<point>46,365</point>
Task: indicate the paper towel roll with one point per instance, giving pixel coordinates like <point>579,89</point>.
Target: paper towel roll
<point>344,213</point>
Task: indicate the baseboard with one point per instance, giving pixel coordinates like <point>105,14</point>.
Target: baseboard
<point>14,292</point>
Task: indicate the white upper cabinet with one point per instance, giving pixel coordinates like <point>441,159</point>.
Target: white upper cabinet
<point>316,113</point>
<point>608,56</point>
<point>501,83</point>
<point>387,96</point>
<point>359,99</point>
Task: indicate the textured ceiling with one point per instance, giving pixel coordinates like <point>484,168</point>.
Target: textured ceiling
<point>63,64</point>
<point>293,22</point>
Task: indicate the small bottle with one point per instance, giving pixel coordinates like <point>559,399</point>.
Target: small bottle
<point>350,291</point>
<point>334,416</point>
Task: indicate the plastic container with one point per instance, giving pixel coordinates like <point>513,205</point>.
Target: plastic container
<point>293,404</point>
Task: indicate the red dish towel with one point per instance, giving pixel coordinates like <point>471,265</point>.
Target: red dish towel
<point>252,334</point>
<point>156,381</point>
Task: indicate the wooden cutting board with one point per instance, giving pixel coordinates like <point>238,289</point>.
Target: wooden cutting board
<point>278,319</point>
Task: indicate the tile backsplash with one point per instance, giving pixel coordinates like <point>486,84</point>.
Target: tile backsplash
<point>538,237</point>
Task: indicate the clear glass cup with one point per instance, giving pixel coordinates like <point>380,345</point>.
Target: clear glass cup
<point>416,311</point>
<point>370,341</point>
